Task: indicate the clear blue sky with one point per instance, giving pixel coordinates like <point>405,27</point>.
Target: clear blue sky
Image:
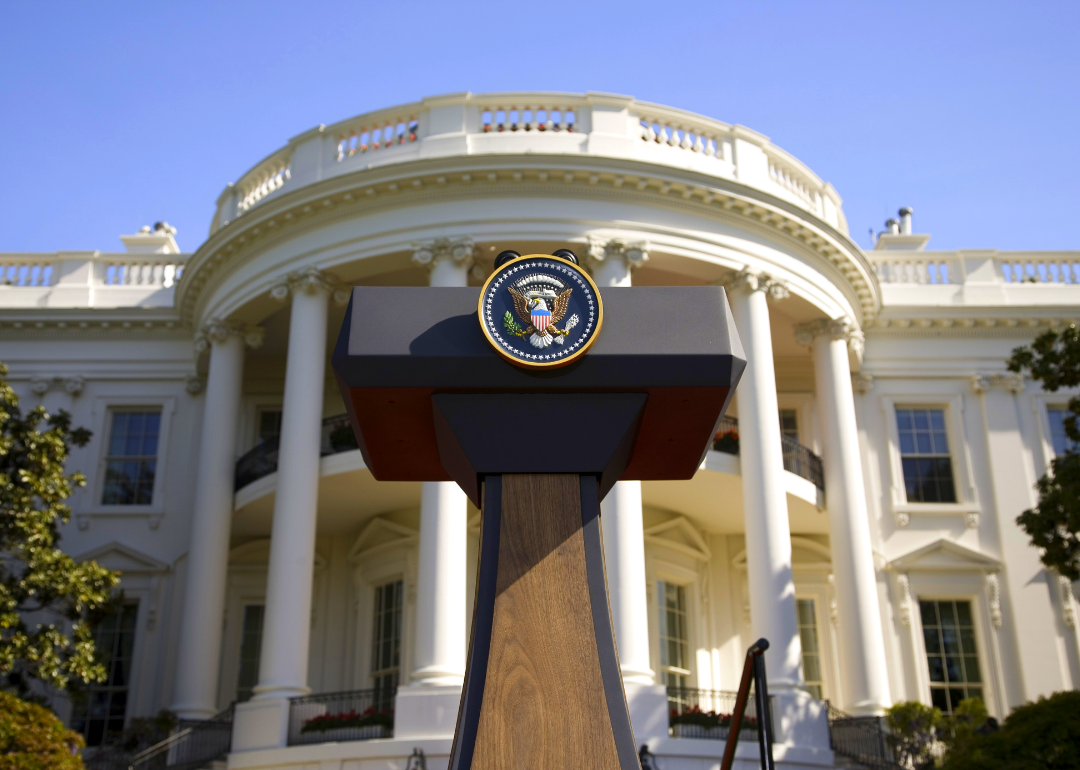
<point>114,115</point>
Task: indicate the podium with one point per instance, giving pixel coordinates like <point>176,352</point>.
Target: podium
<point>432,397</point>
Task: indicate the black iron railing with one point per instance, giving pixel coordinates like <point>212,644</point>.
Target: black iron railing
<point>798,459</point>
<point>194,744</point>
<point>862,739</point>
<point>262,460</point>
<point>359,715</point>
<point>694,713</point>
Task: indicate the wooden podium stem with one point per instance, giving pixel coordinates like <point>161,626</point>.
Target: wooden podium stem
<point>543,687</point>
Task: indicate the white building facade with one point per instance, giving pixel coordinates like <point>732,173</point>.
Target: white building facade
<point>858,509</point>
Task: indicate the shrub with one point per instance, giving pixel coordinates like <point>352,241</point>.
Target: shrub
<point>1044,735</point>
<point>32,738</point>
<point>913,733</point>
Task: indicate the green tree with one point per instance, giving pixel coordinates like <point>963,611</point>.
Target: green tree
<point>46,597</point>
<point>32,738</point>
<point>1054,524</point>
<point>1044,735</point>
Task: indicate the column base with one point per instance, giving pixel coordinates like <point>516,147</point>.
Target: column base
<point>799,719</point>
<point>648,707</point>
<point>261,724</point>
<point>426,711</point>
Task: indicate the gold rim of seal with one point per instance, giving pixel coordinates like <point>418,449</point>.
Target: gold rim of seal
<point>544,364</point>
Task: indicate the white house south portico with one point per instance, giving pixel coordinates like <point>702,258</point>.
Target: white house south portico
<point>284,577</point>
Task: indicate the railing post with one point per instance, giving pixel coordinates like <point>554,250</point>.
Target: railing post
<point>764,713</point>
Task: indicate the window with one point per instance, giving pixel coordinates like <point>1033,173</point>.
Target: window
<point>131,460</point>
<point>674,640</point>
<point>386,643</point>
<point>269,426</point>
<point>951,654</point>
<point>789,424</point>
<point>924,454</point>
<point>1062,443</point>
<point>100,717</point>
<point>811,650</point>
<point>250,648</point>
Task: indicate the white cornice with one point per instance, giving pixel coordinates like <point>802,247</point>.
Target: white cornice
<point>346,196</point>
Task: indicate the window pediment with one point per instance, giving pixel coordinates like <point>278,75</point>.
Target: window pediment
<point>944,555</point>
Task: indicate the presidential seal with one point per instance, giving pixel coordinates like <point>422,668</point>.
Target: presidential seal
<point>540,311</point>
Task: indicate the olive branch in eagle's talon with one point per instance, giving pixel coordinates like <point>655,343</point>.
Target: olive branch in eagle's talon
<point>511,325</point>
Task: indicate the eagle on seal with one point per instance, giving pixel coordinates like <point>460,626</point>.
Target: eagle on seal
<point>540,319</point>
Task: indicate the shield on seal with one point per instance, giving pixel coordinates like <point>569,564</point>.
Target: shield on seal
<point>540,317</point>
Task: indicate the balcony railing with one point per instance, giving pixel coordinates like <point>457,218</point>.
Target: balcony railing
<point>359,715</point>
<point>864,740</point>
<point>537,123</point>
<point>262,460</point>
<point>694,713</point>
<point>337,436</point>
<point>194,744</point>
<point>798,459</point>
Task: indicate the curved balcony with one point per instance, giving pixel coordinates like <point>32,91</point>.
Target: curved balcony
<point>596,124</point>
<point>337,436</point>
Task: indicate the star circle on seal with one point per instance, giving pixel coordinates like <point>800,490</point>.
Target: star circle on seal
<point>540,311</point>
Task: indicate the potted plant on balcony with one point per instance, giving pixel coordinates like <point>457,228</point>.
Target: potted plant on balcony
<point>351,725</point>
<point>726,440</point>
<point>695,723</point>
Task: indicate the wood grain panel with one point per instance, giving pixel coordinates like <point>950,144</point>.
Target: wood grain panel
<point>544,705</point>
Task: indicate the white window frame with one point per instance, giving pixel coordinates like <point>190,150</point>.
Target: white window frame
<point>249,429</point>
<point>803,405</point>
<point>671,571</point>
<point>102,409</point>
<point>1041,404</point>
<point>969,586</point>
<point>376,561</point>
<point>967,500</point>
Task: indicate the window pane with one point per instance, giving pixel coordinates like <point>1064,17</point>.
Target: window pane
<point>947,628</point>
<point>806,617</point>
<point>674,642</point>
<point>1058,438</point>
<point>903,419</point>
<point>921,419</point>
<point>131,463</point>
<point>386,642</point>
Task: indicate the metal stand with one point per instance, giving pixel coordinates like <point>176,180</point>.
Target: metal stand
<point>753,671</point>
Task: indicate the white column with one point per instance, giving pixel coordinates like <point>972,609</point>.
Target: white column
<point>862,644</point>
<point>624,557</point>
<point>287,624</point>
<point>203,609</point>
<point>440,644</point>
<point>612,263</point>
<point>768,534</point>
<point>440,586</point>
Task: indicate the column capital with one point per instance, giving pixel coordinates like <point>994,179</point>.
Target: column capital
<point>1010,381</point>
<point>460,250</point>
<point>309,281</point>
<point>749,280</point>
<point>833,328</point>
<point>217,330</point>
<point>862,383</point>
<point>600,250</point>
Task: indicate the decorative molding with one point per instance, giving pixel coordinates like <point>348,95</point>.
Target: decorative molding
<point>903,518</point>
<point>971,518</point>
<point>633,253</point>
<point>862,383</point>
<point>1010,381</point>
<point>429,253</point>
<point>73,385</point>
<point>194,384</point>
<point>749,280</point>
<point>273,222</point>
<point>904,584</point>
<point>951,326</point>
<point>993,590</point>
<point>1068,602</point>
<point>219,330</point>
<point>833,328</point>
<point>309,281</point>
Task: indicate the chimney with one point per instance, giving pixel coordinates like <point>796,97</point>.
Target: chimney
<point>156,240</point>
<point>905,220</point>
<point>892,227</point>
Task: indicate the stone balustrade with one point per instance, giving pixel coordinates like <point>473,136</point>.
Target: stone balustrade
<point>89,279</point>
<point>977,277</point>
<point>533,123</point>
